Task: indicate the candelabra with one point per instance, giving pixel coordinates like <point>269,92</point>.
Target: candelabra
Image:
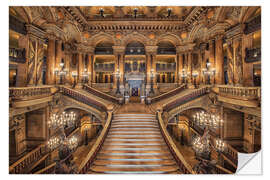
<point>152,75</point>
<point>74,74</point>
<point>208,71</point>
<point>85,76</point>
<point>184,76</point>
<point>194,75</point>
<point>118,75</point>
<point>61,73</point>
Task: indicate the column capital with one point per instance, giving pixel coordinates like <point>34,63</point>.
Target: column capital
<point>35,32</point>
<point>185,48</point>
<point>55,30</point>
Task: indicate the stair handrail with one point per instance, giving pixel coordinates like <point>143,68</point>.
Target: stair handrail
<point>85,165</point>
<point>101,94</point>
<point>29,158</point>
<point>167,94</point>
<point>182,163</point>
<point>82,98</point>
<point>185,98</point>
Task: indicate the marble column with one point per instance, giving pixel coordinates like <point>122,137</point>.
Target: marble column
<point>219,60</point>
<point>212,57</point>
<point>203,62</point>
<point>80,67</point>
<point>148,68</point>
<point>116,67</point>
<point>90,67</point>
<point>50,76</point>
<point>121,68</point>
<point>180,66</point>
<point>153,66</point>
<point>189,67</point>
<point>58,57</point>
<point>247,67</point>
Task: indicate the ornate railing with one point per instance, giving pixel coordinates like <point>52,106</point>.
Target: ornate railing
<point>104,67</point>
<point>47,170</point>
<point>82,98</point>
<point>246,93</point>
<point>184,167</point>
<point>185,98</point>
<point>17,55</point>
<point>168,94</point>
<point>220,170</point>
<point>85,165</point>
<point>101,94</point>
<point>166,68</point>
<point>20,166</point>
<point>26,93</point>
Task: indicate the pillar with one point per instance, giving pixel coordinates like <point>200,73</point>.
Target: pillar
<point>189,67</point>
<point>148,68</point>
<point>58,56</point>
<point>219,60</point>
<point>80,66</point>
<point>212,57</point>
<point>90,67</point>
<point>180,67</point>
<point>50,76</point>
<point>247,67</point>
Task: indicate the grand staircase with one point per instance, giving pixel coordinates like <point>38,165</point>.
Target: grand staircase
<point>134,145</point>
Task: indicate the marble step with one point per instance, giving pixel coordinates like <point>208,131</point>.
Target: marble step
<point>137,162</point>
<point>134,169</point>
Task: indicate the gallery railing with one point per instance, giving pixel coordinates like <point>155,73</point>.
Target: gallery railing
<point>245,93</point>
<point>102,85</point>
<point>26,93</point>
<point>185,98</point>
<point>82,98</point>
<point>184,167</point>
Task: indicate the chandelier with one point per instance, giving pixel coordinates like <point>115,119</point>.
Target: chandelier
<point>59,141</point>
<point>62,120</point>
<point>210,120</point>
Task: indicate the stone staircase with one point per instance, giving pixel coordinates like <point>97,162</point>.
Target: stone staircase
<point>134,145</point>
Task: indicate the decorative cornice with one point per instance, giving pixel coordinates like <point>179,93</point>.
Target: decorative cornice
<point>234,31</point>
<point>54,30</point>
<point>35,32</point>
<point>185,48</point>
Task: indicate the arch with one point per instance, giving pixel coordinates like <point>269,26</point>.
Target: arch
<point>172,38</point>
<point>246,14</point>
<point>84,109</point>
<point>195,31</point>
<point>71,31</point>
<point>24,12</point>
<point>135,37</point>
<point>100,37</point>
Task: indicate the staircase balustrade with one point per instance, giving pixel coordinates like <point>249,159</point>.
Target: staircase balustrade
<point>168,94</point>
<point>184,167</point>
<point>185,98</point>
<point>22,164</point>
<point>101,94</point>
<point>82,98</point>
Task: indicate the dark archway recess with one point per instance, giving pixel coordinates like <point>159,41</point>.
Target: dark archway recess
<point>104,48</point>
<point>135,48</point>
<point>166,47</point>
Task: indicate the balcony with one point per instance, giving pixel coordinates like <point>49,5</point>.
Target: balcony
<point>17,55</point>
<point>104,67</point>
<point>169,50</point>
<point>104,50</point>
<point>134,50</point>
<point>170,67</point>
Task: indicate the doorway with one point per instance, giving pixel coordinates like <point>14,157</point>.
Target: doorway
<point>134,91</point>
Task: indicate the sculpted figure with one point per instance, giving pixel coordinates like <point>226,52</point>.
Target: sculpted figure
<point>230,64</point>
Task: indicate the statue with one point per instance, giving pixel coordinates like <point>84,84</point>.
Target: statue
<point>239,65</point>
<point>230,64</point>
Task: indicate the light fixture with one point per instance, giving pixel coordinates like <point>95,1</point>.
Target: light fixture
<point>210,120</point>
<point>101,11</point>
<point>62,120</point>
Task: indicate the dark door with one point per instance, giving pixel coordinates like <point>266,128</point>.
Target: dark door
<point>134,91</point>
